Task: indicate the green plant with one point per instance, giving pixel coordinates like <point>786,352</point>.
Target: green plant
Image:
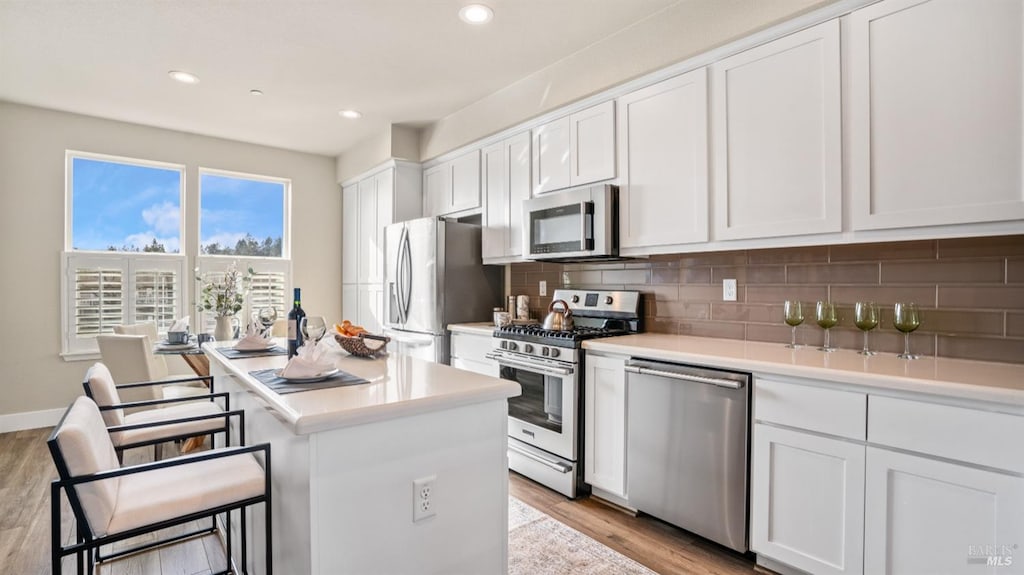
<point>224,294</point>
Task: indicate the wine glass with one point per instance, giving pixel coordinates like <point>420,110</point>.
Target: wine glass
<point>827,317</point>
<point>794,314</point>
<point>865,317</point>
<point>313,328</point>
<point>267,316</point>
<point>906,319</point>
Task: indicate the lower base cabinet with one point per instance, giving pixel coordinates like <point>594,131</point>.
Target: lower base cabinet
<point>928,516</point>
<point>807,500</point>
<point>469,352</point>
<point>604,424</point>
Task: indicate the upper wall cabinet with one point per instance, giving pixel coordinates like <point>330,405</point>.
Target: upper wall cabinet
<point>575,150</point>
<point>777,152</point>
<point>935,102</point>
<point>453,186</point>
<point>506,181</point>
<point>663,163</point>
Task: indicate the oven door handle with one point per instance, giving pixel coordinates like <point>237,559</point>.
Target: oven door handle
<point>556,465</point>
<point>547,370</point>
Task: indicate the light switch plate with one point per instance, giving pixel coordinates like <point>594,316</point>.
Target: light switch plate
<point>543,287</point>
<point>728,290</point>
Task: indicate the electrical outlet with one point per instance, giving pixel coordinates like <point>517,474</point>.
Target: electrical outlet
<point>728,290</point>
<point>543,287</point>
<point>423,498</point>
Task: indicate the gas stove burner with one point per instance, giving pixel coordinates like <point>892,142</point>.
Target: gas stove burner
<point>536,333</point>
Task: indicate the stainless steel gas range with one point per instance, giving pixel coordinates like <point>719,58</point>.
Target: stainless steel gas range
<point>544,423</point>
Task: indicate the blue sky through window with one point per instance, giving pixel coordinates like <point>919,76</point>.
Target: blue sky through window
<point>234,207</point>
<point>124,206</point>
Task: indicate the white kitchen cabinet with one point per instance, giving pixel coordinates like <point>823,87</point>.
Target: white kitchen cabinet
<point>776,136</point>
<point>506,181</point>
<point>604,433</point>
<point>350,233</point>
<point>350,302</point>
<point>369,307</point>
<point>663,163</point>
<point>468,352</point>
<point>368,223</point>
<point>575,150</point>
<point>929,516</point>
<point>453,186</point>
<point>807,500</point>
<point>936,102</point>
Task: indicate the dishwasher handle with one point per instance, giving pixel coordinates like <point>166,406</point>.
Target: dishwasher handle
<point>682,373</point>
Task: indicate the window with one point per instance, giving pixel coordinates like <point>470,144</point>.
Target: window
<point>267,287</point>
<point>122,261</point>
<point>242,215</point>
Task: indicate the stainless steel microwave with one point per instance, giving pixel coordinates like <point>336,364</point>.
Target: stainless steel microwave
<point>578,224</point>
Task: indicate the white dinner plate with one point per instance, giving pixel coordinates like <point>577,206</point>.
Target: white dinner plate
<point>320,377</point>
<point>175,346</point>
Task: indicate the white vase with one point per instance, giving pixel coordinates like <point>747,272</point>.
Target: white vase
<point>224,330</point>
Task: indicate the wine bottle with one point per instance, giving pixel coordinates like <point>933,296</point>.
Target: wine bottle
<point>294,320</point>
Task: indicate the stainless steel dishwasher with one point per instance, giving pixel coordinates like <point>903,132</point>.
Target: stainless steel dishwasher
<point>687,447</point>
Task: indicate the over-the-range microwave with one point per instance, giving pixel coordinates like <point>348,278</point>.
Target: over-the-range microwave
<point>578,224</point>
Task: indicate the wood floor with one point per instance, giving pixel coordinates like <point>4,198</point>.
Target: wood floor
<point>26,471</point>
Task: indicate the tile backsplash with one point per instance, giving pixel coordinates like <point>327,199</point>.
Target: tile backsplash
<point>970,291</point>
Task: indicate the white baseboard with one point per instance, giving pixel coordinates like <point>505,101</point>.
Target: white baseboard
<point>30,419</point>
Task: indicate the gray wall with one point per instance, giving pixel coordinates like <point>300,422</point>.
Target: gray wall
<point>33,376</point>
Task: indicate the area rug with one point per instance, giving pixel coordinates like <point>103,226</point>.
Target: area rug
<point>540,545</point>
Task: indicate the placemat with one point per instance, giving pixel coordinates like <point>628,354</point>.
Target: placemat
<point>232,353</point>
<point>282,386</point>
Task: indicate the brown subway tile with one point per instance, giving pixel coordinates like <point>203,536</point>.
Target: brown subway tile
<point>759,313</point>
<point>554,279</point>
<point>528,267</point>
<point>951,322</point>
<point>915,250</point>
<point>883,341</point>
<point>695,276</point>
<point>982,297</point>
<point>641,265</point>
<point>581,278</point>
<point>664,275</point>
<point>984,349</point>
<point>1015,324</point>
<point>656,293</point>
<point>943,271</point>
<point>680,309</point>
<point>808,254</point>
<point>664,260</point>
<point>779,294</point>
<point>737,258</point>
<point>626,276</point>
<point>832,273</point>
<point>604,266</point>
<point>749,274</point>
<point>923,296</point>
<point>700,293</point>
<point>770,333</point>
<point>720,329</point>
<point>1015,270</point>
<point>981,247</point>
<point>661,325</point>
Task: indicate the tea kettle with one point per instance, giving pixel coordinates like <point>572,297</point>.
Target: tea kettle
<point>558,320</point>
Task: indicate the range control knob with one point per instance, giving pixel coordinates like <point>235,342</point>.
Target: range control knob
<point>512,346</point>
<point>608,300</point>
<point>504,344</point>
<point>554,352</point>
<point>575,299</point>
<point>528,348</point>
<point>545,351</point>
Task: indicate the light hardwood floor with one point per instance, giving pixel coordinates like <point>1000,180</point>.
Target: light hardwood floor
<point>26,471</point>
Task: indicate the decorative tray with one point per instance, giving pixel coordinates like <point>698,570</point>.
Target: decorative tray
<point>357,345</point>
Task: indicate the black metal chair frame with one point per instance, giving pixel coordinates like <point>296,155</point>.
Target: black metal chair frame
<point>87,546</point>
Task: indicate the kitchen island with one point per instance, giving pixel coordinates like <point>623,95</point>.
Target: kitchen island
<point>345,460</point>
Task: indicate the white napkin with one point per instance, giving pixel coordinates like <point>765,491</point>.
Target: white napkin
<point>310,360</point>
<point>180,325</point>
<point>254,339</point>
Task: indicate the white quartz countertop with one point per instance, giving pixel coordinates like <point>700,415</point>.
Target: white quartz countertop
<point>400,386</point>
<point>962,379</point>
<point>478,328</point>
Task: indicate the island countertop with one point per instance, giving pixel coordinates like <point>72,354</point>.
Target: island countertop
<point>399,386</point>
<point>955,378</point>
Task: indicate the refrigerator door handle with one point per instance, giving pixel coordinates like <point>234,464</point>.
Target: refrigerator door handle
<point>406,262</point>
<point>400,274</point>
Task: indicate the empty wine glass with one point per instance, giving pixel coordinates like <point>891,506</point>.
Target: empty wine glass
<point>313,328</point>
<point>267,316</point>
<point>827,317</point>
<point>794,314</point>
<point>906,319</point>
<point>865,317</point>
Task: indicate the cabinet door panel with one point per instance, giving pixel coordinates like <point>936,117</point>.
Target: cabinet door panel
<point>436,189</point>
<point>350,234</point>
<point>495,230</point>
<point>928,516</point>
<point>604,443</point>
<point>777,141</point>
<point>592,141</point>
<point>465,193</point>
<point>367,228</point>
<point>935,98</point>
<point>663,164</point>
<point>517,161</point>
<point>350,302</point>
<point>807,500</point>
<point>384,183</point>
<point>551,152</point>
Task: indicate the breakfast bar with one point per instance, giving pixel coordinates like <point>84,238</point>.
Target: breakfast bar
<point>347,459</point>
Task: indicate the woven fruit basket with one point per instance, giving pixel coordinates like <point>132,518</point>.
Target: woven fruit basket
<point>364,344</point>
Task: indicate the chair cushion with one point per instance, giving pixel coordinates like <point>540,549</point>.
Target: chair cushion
<point>163,494</point>
<point>178,411</point>
<point>104,392</point>
<point>183,390</point>
<point>85,445</point>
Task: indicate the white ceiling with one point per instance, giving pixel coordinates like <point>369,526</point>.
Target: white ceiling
<point>397,61</point>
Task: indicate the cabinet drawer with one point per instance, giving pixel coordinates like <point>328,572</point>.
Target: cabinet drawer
<point>470,347</point>
<point>831,411</point>
<point>960,433</point>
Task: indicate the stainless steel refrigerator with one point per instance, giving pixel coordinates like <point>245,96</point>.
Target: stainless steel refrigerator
<point>434,276</point>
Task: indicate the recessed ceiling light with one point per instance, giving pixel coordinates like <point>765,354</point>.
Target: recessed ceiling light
<point>184,77</point>
<point>476,13</point>
<point>255,92</point>
<point>350,114</point>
